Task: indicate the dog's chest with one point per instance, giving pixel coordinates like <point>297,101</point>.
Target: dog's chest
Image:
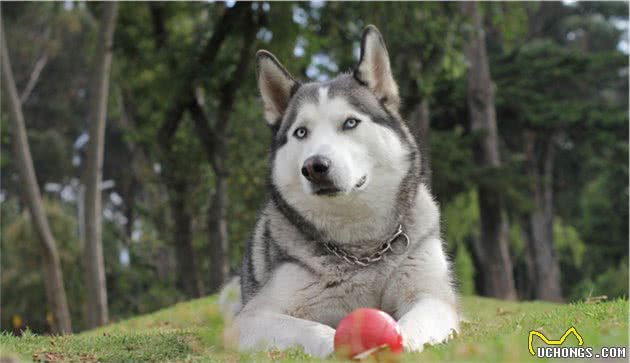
<point>336,293</point>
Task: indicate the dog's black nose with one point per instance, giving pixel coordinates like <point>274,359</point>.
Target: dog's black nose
<point>315,168</point>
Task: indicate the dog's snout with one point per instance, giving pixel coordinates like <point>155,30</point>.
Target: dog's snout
<point>315,168</point>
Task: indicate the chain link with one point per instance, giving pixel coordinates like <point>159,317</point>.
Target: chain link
<point>374,257</point>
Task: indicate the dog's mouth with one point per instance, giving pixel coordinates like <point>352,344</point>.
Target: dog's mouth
<point>361,182</point>
<point>330,190</point>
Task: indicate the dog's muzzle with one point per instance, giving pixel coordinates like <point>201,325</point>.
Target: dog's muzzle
<point>316,170</point>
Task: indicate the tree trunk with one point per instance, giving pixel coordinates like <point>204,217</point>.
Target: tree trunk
<point>545,268</point>
<point>188,276</point>
<point>214,140</point>
<point>93,253</point>
<point>128,191</point>
<point>527,283</point>
<point>217,226</point>
<point>53,277</point>
<point>130,183</point>
<point>497,278</point>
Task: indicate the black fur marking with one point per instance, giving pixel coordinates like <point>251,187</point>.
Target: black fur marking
<point>268,241</point>
<point>279,142</point>
<point>280,137</point>
<point>331,284</point>
<point>294,89</point>
<point>299,95</point>
<point>357,76</point>
<point>376,109</point>
<point>393,124</point>
<point>408,188</point>
<point>356,73</point>
<point>250,270</point>
<point>286,257</point>
<point>249,284</point>
<point>276,125</point>
<point>305,227</point>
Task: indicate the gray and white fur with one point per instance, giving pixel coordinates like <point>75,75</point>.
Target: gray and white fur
<point>344,169</point>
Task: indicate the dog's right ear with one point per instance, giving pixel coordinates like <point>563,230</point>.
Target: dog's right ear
<point>276,86</point>
<point>374,69</point>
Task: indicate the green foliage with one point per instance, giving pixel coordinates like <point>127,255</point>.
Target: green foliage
<point>612,283</point>
<point>461,219</point>
<point>568,81</point>
<point>145,284</point>
<point>568,246</point>
<point>248,144</point>
<point>464,271</point>
<point>510,19</point>
<point>605,218</point>
<point>22,266</point>
<point>452,172</point>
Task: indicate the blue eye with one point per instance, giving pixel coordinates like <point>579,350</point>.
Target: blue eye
<point>300,132</point>
<point>351,123</point>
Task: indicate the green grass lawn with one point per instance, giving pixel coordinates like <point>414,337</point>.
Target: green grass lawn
<point>493,331</point>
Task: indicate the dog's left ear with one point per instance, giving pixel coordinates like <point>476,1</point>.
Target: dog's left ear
<point>374,70</point>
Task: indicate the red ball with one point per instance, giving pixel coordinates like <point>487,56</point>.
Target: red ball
<point>367,330</point>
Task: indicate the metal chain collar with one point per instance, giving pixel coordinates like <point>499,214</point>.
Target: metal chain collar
<point>374,257</point>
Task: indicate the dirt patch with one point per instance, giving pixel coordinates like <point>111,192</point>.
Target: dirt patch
<point>49,357</point>
<point>52,357</point>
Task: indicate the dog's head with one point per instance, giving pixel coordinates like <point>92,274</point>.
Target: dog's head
<point>339,141</point>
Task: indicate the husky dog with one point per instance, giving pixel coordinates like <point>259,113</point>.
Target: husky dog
<point>348,223</point>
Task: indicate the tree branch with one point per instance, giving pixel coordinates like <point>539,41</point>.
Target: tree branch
<point>32,81</point>
<point>229,89</point>
<point>213,137</point>
<point>202,124</point>
<point>160,34</point>
<point>203,64</point>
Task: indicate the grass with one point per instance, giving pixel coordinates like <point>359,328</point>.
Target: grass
<point>493,331</point>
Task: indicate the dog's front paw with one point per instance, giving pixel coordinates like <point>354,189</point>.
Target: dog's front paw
<point>321,343</point>
<point>412,339</point>
<point>416,336</point>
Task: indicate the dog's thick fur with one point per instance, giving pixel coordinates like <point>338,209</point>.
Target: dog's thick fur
<point>293,290</point>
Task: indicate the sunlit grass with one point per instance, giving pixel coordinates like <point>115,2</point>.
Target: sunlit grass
<point>492,331</point>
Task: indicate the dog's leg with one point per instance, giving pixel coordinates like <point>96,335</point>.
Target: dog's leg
<point>263,322</point>
<point>422,296</point>
<point>264,330</point>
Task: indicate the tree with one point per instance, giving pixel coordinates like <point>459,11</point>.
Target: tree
<point>543,267</point>
<point>181,103</point>
<point>562,94</point>
<point>213,136</point>
<point>176,174</point>
<point>55,290</point>
<point>496,275</point>
<point>93,251</point>
<point>212,131</point>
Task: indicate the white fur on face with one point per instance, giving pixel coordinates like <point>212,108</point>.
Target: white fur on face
<point>370,150</point>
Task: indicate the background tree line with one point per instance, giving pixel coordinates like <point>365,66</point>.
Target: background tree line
<point>521,110</point>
